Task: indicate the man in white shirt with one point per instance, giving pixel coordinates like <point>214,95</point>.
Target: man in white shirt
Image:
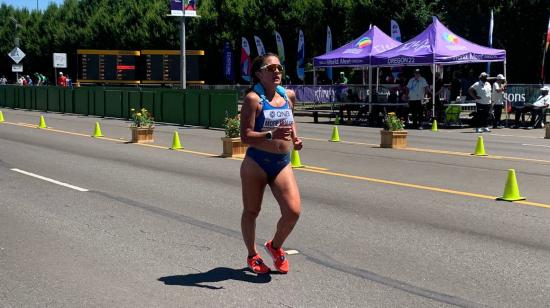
<point>538,111</point>
<point>481,92</point>
<point>417,88</point>
<point>497,98</point>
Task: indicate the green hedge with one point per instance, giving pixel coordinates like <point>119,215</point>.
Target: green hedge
<point>185,107</point>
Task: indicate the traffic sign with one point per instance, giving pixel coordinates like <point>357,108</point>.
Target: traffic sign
<point>16,54</point>
<point>17,68</point>
<point>59,60</point>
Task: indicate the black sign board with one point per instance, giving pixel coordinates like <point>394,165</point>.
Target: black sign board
<point>107,66</point>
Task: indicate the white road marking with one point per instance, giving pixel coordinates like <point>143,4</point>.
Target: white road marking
<point>292,252</point>
<point>537,145</point>
<point>49,180</point>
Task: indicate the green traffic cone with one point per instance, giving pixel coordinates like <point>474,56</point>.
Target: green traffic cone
<point>1,117</point>
<point>295,161</point>
<point>434,126</point>
<point>511,190</point>
<point>480,148</point>
<point>97,131</point>
<point>176,145</point>
<point>335,135</point>
<point>42,123</point>
<point>337,120</point>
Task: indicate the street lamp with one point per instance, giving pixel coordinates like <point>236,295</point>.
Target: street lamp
<point>17,25</point>
<point>16,41</point>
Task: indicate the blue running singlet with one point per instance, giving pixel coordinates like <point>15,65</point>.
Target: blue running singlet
<point>269,119</point>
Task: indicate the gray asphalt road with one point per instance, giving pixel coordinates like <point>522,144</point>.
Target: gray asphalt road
<point>161,228</point>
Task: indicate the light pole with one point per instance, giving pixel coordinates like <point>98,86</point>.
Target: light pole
<point>16,41</point>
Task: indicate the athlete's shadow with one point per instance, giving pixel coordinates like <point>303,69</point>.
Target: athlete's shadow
<point>215,275</point>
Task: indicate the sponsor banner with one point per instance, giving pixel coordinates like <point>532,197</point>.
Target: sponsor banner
<point>176,7</point>
<point>190,8</point>
<point>259,46</point>
<point>301,62</point>
<point>280,48</point>
<point>246,64</point>
<point>186,8</point>
<point>517,94</point>
<point>228,61</point>
<point>327,49</point>
<point>395,31</point>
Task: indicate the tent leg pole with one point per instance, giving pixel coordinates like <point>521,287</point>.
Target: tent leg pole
<point>433,92</point>
<point>377,79</point>
<point>506,101</point>
<point>370,89</point>
<point>314,77</point>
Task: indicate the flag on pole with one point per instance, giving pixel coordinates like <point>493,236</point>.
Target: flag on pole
<point>245,60</point>
<point>228,61</point>
<point>395,31</point>
<point>396,35</point>
<point>300,63</point>
<point>491,25</point>
<point>545,51</point>
<point>329,48</point>
<point>259,46</point>
<point>280,47</point>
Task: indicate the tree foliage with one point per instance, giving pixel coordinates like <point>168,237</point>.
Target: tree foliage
<point>520,28</point>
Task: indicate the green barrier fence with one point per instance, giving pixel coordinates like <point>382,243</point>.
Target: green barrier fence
<point>185,107</point>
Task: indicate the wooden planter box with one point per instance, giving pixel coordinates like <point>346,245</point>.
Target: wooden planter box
<point>233,147</point>
<point>142,134</point>
<point>393,139</point>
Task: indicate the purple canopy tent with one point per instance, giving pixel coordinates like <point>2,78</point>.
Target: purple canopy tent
<point>438,45</point>
<point>357,53</point>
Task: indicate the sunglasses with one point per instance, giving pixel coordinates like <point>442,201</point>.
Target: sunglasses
<point>272,68</point>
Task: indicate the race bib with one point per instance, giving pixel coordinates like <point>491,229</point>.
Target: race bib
<point>277,117</point>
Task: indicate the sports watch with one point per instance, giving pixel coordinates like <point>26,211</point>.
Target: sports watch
<point>269,136</point>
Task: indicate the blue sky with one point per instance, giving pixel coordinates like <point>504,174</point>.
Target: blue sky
<point>30,4</point>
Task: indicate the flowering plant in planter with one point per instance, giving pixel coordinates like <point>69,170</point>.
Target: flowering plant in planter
<point>142,118</point>
<point>393,123</point>
<point>232,144</point>
<point>232,126</point>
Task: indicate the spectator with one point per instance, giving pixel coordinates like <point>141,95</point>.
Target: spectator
<point>497,98</point>
<point>481,92</point>
<point>539,107</point>
<point>61,80</point>
<point>456,86</point>
<point>343,79</point>
<point>417,88</point>
<point>3,80</point>
<point>438,91</point>
<point>467,81</point>
<point>69,82</point>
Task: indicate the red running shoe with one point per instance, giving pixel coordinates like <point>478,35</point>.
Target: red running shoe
<point>257,265</point>
<point>278,256</point>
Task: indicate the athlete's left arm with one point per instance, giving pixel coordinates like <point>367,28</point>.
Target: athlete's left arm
<point>296,141</point>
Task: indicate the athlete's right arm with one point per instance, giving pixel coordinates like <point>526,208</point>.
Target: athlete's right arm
<point>249,110</point>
